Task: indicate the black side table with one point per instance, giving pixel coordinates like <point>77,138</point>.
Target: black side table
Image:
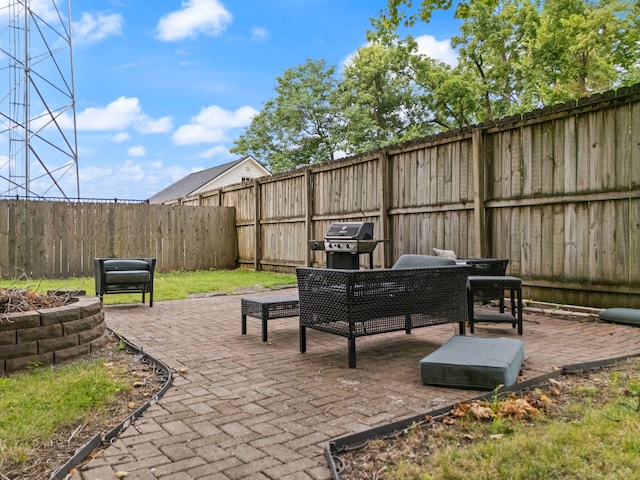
<point>266,308</point>
<point>475,284</point>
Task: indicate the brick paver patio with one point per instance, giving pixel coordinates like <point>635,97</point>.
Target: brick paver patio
<point>241,409</point>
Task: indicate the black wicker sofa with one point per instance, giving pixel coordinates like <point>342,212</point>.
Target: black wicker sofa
<point>356,303</point>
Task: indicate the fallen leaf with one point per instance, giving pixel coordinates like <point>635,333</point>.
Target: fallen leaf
<point>517,408</point>
<point>480,411</point>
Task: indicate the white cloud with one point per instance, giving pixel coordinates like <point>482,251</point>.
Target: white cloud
<point>130,179</point>
<point>219,152</point>
<point>259,34</point>
<point>439,49</point>
<point>212,124</point>
<point>160,125</point>
<point>207,17</point>
<point>427,45</point>
<point>119,115</point>
<point>43,8</point>
<point>120,137</point>
<point>136,151</point>
<point>94,28</point>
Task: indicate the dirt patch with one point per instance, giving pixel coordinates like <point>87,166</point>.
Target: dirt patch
<point>61,447</point>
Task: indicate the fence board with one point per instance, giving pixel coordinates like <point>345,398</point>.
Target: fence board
<point>60,239</point>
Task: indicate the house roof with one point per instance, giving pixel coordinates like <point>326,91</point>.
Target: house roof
<point>192,182</point>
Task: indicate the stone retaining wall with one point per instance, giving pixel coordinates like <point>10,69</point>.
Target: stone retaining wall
<point>51,335</point>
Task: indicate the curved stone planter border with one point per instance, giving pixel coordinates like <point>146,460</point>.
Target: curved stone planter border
<point>51,335</point>
<point>83,452</point>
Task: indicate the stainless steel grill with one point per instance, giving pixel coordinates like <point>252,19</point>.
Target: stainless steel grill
<point>350,237</point>
<point>344,242</point>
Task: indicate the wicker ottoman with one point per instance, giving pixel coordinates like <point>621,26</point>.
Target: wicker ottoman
<point>267,308</point>
<point>474,363</point>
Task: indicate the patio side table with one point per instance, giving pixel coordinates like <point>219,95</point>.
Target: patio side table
<point>476,284</point>
<point>267,308</point>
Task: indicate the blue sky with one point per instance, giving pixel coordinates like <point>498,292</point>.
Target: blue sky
<point>163,87</point>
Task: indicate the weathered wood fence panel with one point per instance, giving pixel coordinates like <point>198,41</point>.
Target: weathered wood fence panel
<point>283,223</point>
<point>431,197</point>
<point>563,191</point>
<point>60,239</point>
<point>556,191</point>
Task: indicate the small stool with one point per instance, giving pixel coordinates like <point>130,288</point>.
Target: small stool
<point>266,308</point>
<point>474,363</point>
<point>476,284</point>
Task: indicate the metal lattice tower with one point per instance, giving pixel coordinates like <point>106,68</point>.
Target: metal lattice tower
<point>37,112</point>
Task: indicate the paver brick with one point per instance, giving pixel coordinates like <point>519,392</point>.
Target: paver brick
<point>211,468</point>
<point>244,410</point>
<point>185,465</point>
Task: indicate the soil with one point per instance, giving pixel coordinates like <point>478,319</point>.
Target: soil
<point>61,447</point>
<point>419,441</point>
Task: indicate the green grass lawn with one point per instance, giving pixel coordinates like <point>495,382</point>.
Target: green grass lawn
<point>167,286</point>
<point>36,403</point>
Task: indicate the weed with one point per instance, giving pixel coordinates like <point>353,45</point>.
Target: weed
<point>121,346</point>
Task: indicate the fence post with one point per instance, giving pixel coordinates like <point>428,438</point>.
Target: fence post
<point>479,214</point>
<point>308,215</point>
<point>257,228</point>
<point>385,225</point>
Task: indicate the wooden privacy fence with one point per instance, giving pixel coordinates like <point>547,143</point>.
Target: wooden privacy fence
<point>42,239</point>
<point>556,191</point>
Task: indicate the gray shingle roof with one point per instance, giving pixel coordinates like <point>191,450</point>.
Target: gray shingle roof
<point>192,182</point>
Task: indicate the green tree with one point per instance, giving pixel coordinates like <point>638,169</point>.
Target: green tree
<point>494,47</point>
<point>300,125</point>
<point>527,53</point>
<point>584,46</point>
<point>449,94</point>
<point>378,96</point>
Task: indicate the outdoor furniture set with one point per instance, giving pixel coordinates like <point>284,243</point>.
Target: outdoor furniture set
<point>418,291</point>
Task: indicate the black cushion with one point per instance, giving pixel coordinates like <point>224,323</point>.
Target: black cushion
<point>130,276</point>
<point>125,264</point>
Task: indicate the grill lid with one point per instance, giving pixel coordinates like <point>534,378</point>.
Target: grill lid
<point>351,230</point>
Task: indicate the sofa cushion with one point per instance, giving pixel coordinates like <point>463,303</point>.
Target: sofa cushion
<point>450,254</point>
<point>409,260</point>
<point>623,316</point>
<point>474,363</point>
<point>125,264</point>
<point>131,276</point>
